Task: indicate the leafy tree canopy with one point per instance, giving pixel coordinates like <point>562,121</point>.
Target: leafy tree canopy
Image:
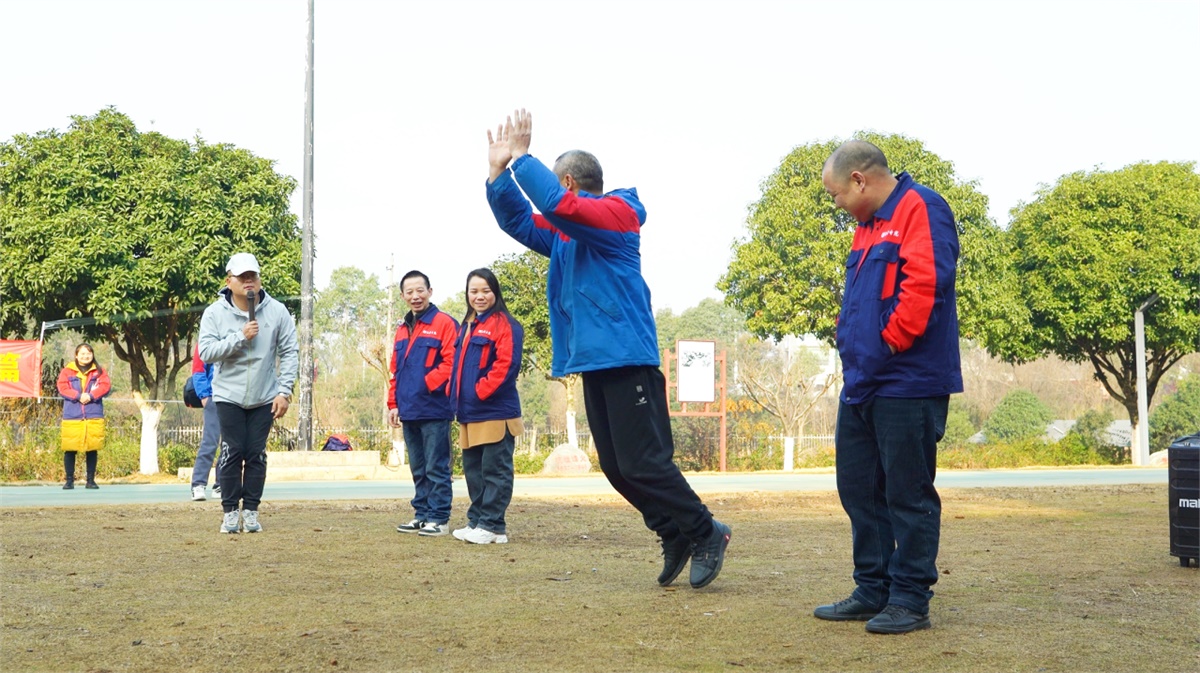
<point>787,277</point>
<point>1177,415</point>
<point>1091,249</point>
<point>133,229</point>
<point>523,281</point>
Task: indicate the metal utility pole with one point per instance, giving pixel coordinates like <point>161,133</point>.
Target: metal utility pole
<point>1141,449</point>
<point>305,442</point>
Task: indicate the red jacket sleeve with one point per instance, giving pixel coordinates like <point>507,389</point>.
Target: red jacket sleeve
<point>918,289</point>
<point>64,384</point>
<point>197,363</point>
<point>503,341</point>
<point>441,374</point>
<point>103,385</point>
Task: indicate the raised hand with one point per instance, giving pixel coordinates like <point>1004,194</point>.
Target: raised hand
<point>519,132</point>
<point>498,153</point>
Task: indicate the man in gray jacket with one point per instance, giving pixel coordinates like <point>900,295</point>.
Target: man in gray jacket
<point>243,340</point>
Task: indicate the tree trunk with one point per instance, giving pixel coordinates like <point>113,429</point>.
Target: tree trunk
<point>151,414</point>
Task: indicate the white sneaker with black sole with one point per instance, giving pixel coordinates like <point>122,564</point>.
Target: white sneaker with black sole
<point>431,529</point>
<point>197,493</point>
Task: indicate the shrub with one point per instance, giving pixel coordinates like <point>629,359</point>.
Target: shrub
<point>1178,415</point>
<point>1019,416</point>
<point>958,428</point>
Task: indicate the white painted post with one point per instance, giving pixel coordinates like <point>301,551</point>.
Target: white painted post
<point>789,446</point>
<point>1140,440</point>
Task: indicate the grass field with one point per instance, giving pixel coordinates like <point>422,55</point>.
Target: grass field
<point>1048,579</point>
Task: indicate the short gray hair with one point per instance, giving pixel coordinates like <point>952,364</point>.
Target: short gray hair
<point>584,168</point>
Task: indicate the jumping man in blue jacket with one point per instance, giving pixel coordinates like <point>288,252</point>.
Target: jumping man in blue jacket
<point>602,326</point>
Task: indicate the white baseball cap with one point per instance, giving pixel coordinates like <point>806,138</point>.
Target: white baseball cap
<point>241,263</point>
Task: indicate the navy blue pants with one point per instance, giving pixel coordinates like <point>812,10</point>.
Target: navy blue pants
<point>886,462</point>
<point>428,444</point>
<point>627,413</point>
<point>488,469</point>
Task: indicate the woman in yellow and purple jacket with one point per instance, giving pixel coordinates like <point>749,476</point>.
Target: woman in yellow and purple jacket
<point>83,385</point>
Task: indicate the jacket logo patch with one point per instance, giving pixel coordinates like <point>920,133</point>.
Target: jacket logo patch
<point>429,332</point>
<point>890,232</point>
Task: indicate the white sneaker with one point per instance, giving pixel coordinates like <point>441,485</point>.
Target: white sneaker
<point>431,529</point>
<point>461,533</point>
<point>197,493</point>
<point>229,524</point>
<point>250,522</point>
<point>217,492</point>
<point>483,536</point>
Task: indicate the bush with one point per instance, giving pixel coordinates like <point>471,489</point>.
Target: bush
<point>1177,416</point>
<point>958,428</point>
<point>1019,416</point>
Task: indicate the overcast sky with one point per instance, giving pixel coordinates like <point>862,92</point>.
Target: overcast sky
<point>694,103</point>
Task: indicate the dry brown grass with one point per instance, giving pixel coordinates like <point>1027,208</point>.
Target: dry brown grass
<point>1062,579</point>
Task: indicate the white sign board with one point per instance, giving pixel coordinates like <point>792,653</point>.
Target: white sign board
<point>696,374</point>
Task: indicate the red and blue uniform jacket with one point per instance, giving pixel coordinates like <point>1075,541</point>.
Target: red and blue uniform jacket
<point>900,293</point>
<point>421,364</point>
<point>201,375</point>
<point>600,313</point>
<point>72,388</point>
<point>486,363</point>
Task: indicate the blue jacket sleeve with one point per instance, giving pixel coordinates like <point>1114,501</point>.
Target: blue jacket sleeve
<point>599,223</point>
<point>515,216</point>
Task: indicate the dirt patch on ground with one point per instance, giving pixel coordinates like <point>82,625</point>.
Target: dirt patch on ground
<point>1048,579</point>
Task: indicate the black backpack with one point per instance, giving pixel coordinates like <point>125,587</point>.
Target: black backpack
<point>190,398</point>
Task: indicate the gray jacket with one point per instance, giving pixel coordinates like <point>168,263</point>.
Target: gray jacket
<point>244,371</point>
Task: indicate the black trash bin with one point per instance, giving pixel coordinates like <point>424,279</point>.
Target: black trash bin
<point>1183,490</point>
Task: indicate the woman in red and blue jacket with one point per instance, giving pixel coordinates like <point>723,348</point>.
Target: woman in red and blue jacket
<point>483,390</point>
<point>83,385</point>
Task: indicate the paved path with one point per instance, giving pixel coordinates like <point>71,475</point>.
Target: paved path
<point>533,486</point>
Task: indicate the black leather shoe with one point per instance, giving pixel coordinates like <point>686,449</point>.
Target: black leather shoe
<point>676,552</point>
<point>897,619</point>
<point>70,485</point>
<point>92,484</point>
<point>849,610</point>
<point>709,556</point>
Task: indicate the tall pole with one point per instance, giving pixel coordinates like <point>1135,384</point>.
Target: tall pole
<point>306,265</point>
<point>1141,449</point>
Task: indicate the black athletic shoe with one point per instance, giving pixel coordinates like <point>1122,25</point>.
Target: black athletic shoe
<point>897,619</point>
<point>676,552</point>
<point>708,556</point>
<point>70,485</point>
<point>92,484</point>
<point>849,610</point>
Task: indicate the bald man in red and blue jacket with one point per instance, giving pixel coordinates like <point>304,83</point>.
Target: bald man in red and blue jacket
<point>602,326</point>
<point>897,335</point>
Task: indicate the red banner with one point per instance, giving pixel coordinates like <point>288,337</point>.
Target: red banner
<point>20,368</point>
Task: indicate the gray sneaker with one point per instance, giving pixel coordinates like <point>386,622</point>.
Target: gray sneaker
<point>250,522</point>
<point>229,524</point>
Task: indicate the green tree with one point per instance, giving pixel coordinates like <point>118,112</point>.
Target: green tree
<point>787,276</point>
<point>1177,415</point>
<point>523,279</point>
<point>1092,428</point>
<point>353,349</point>
<point>1019,416</point>
<point>1089,251</point>
<point>130,232</point>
